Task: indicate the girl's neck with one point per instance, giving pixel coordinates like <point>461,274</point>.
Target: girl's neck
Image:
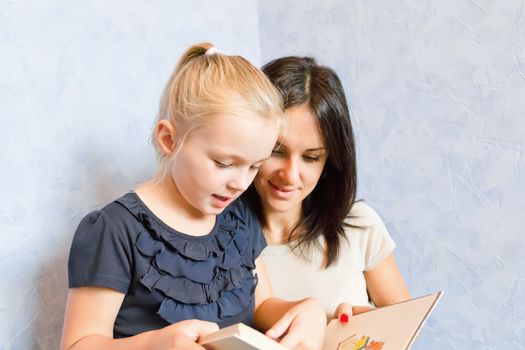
<point>164,199</point>
<point>278,225</point>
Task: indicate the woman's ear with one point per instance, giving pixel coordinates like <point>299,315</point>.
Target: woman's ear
<point>166,136</point>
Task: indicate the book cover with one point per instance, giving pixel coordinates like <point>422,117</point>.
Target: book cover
<point>392,327</point>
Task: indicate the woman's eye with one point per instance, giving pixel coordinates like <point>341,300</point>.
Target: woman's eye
<point>255,167</point>
<point>221,164</point>
<point>277,153</point>
<point>311,158</point>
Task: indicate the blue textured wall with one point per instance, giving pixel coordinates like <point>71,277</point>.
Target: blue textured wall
<point>79,89</point>
<point>437,92</point>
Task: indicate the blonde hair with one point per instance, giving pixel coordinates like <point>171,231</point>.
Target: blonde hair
<point>210,83</point>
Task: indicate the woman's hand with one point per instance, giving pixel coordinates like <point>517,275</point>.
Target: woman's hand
<point>345,311</point>
<point>298,324</point>
<point>302,326</point>
<point>181,335</point>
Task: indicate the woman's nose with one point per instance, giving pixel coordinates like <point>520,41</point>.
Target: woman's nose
<point>290,171</point>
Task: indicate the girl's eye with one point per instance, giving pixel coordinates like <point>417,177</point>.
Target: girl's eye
<point>221,164</point>
<point>311,158</point>
<point>255,167</point>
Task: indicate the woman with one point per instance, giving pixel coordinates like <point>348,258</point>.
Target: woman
<point>322,242</point>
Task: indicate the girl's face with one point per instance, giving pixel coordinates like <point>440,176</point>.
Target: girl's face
<point>219,160</point>
<point>295,167</point>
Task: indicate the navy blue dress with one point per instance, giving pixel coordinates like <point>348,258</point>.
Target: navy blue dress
<point>168,276</point>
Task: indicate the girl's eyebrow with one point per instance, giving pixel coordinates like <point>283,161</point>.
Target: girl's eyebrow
<point>240,159</point>
<point>316,149</point>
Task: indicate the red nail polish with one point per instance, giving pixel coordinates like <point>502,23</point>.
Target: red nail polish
<point>343,318</point>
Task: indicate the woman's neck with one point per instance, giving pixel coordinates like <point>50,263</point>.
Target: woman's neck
<point>278,226</point>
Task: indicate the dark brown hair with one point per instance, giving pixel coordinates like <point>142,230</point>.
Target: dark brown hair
<point>302,81</point>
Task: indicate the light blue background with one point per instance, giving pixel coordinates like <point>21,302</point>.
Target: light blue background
<point>437,93</point>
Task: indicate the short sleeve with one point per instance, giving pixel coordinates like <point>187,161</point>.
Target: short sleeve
<point>100,254</point>
<point>373,239</point>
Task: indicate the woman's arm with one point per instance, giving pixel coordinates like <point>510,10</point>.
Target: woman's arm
<point>302,322</point>
<point>385,284</point>
<point>90,316</point>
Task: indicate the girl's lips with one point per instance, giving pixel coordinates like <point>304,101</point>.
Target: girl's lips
<point>221,201</point>
<point>222,198</point>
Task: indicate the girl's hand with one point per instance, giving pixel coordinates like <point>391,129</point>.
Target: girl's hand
<point>181,335</point>
<point>345,311</point>
<point>302,326</point>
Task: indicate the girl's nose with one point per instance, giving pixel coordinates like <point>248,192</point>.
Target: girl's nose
<point>241,182</point>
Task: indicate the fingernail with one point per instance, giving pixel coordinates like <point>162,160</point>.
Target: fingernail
<point>343,318</point>
<point>270,333</point>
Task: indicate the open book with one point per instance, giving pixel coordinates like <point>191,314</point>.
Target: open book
<point>392,327</point>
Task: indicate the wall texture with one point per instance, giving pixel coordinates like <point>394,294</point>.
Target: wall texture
<point>79,89</point>
<point>437,92</point>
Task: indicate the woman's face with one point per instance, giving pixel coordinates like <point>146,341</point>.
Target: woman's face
<point>296,164</point>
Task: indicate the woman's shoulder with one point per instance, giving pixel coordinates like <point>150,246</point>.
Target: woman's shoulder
<point>363,215</point>
<point>367,232</point>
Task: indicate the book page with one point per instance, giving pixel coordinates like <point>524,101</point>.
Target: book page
<point>239,337</point>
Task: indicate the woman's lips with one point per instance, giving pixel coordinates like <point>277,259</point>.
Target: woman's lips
<point>281,192</point>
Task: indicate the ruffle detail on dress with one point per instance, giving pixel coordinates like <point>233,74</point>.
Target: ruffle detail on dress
<point>230,304</point>
<point>189,281</point>
<point>225,234</point>
<point>209,277</point>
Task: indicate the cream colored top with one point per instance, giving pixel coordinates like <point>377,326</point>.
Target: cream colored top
<point>294,278</point>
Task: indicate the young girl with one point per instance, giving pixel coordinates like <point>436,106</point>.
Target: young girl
<point>322,242</point>
<point>144,269</point>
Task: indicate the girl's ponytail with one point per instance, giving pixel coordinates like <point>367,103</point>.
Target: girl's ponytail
<point>192,53</point>
<point>205,83</point>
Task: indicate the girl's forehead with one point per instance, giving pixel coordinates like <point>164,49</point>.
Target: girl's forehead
<point>237,124</point>
<point>243,136</point>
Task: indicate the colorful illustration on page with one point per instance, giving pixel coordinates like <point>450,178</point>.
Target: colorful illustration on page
<point>363,343</point>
